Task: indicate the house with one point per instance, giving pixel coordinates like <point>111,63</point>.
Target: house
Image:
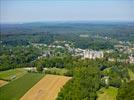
<point>111,59</point>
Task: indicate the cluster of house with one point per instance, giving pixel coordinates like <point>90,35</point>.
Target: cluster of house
<point>84,53</point>
<point>93,54</point>
<point>45,54</point>
<point>130,59</point>
<point>125,49</point>
<point>88,54</point>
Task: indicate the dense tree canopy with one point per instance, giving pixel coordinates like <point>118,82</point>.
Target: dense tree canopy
<point>83,86</point>
<point>126,92</point>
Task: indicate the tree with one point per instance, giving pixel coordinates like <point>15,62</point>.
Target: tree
<point>126,92</point>
<point>39,66</point>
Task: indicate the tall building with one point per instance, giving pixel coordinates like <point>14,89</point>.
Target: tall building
<point>93,54</point>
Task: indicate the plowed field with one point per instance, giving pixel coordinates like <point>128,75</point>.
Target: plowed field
<point>47,88</point>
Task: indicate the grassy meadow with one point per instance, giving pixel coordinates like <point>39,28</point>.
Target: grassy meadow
<point>131,74</point>
<point>57,71</point>
<point>7,75</point>
<point>107,94</point>
<point>17,88</point>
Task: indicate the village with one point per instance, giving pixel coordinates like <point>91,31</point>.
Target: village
<point>59,48</point>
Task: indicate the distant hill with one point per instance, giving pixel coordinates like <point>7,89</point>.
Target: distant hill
<point>119,30</point>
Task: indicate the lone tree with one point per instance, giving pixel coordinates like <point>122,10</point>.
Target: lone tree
<point>39,67</point>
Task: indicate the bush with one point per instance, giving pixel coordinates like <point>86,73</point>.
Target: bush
<point>39,68</point>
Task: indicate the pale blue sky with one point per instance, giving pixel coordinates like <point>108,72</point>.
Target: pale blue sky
<point>13,11</point>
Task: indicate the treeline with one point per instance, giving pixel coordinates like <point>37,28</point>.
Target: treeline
<point>83,86</point>
<point>70,62</point>
<point>123,31</point>
<point>59,62</point>
<point>26,39</point>
<point>49,38</point>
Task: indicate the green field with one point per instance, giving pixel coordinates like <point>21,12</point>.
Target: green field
<point>17,88</point>
<point>58,71</point>
<point>107,94</point>
<point>7,75</point>
<point>131,74</point>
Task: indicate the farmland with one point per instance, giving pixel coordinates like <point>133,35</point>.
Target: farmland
<point>17,88</point>
<point>46,89</point>
<point>2,82</point>
<point>7,75</point>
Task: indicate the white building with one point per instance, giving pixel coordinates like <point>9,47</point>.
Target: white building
<point>93,54</point>
<point>131,59</point>
<point>106,79</point>
<point>111,59</point>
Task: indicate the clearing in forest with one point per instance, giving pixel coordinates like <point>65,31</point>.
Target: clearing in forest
<point>131,74</point>
<point>47,88</point>
<point>107,93</point>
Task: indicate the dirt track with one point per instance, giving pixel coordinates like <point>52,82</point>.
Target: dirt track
<point>47,88</point>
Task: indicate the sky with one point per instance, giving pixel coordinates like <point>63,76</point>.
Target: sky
<point>18,11</point>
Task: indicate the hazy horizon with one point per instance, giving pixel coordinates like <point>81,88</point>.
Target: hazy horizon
<point>13,11</point>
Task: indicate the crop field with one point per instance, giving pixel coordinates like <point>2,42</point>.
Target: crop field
<point>47,88</point>
<point>7,75</point>
<point>107,94</point>
<point>17,88</point>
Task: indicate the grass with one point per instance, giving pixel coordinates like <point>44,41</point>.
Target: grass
<point>131,74</point>
<point>17,88</point>
<point>107,94</point>
<point>106,71</point>
<point>58,71</point>
<point>7,75</point>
